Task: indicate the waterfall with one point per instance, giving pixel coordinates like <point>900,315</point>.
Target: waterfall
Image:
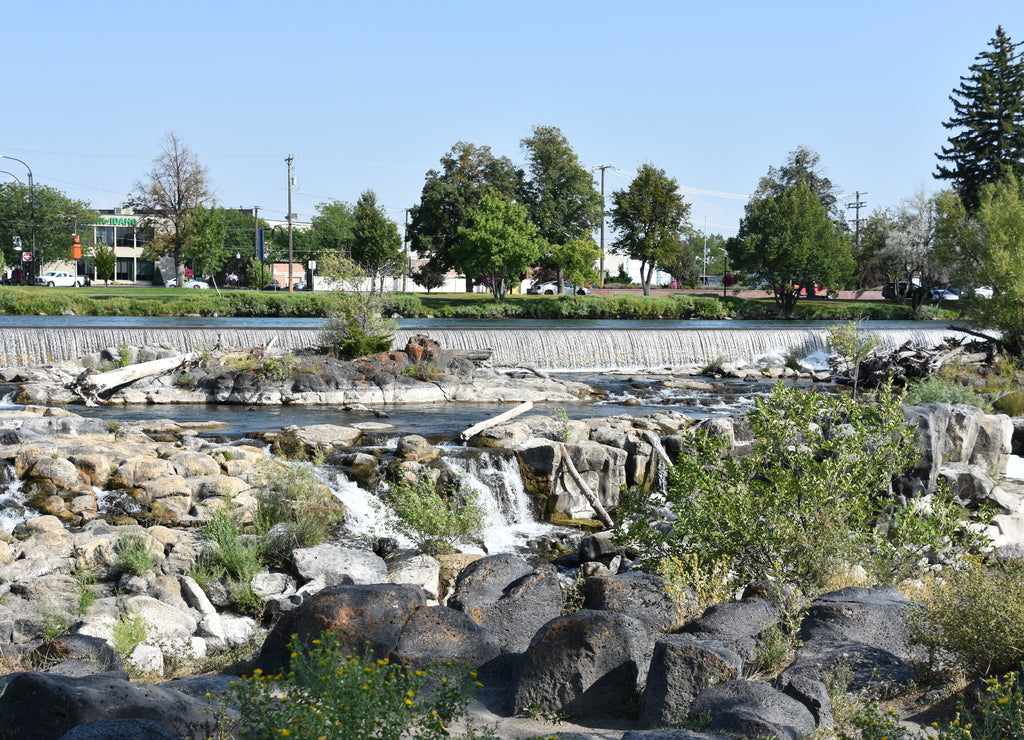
<point>509,521</point>
<point>12,499</point>
<point>551,349</point>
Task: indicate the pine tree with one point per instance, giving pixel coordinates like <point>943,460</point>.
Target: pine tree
<point>989,119</point>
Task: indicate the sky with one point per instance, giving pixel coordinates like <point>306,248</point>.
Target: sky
<point>371,95</point>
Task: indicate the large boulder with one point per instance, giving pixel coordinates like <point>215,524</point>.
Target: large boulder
<point>437,634</point>
<point>43,706</point>
<point>586,664</point>
<point>863,629</point>
<point>360,617</point>
<point>335,563</point>
<point>736,623</point>
<point>742,708</point>
<point>503,594</point>
<point>681,668</point>
<point>640,595</point>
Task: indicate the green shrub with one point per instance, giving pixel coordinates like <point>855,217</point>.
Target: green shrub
<point>999,714</point>
<point>804,504</point>
<point>293,495</point>
<point>974,620</point>
<point>133,554</point>
<point>938,389</point>
<point>433,519</point>
<point>127,633</point>
<point>424,370</point>
<point>358,329</point>
<point>1011,404</point>
<point>327,694</point>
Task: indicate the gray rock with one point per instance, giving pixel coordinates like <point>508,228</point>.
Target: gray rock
<point>736,623</point>
<point>26,706</point>
<point>334,564</point>
<point>586,664</point>
<point>681,668</point>
<point>435,634</point>
<point>753,709</point>
<point>119,729</point>
<point>640,595</point>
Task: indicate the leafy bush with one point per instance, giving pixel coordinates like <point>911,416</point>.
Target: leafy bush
<point>805,503</point>
<point>975,619</point>
<point>327,694</point>
<point>295,497</point>
<point>999,714</point>
<point>433,519</point>
<point>358,329</point>
<point>133,555</point>
<point>128,632</point>
<point>1011,404</point>
<point>938,389</point>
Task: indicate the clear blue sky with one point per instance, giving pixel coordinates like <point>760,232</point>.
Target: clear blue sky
<point>370,95</point>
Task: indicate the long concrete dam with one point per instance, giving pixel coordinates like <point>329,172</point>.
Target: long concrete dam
<point>549,348</point>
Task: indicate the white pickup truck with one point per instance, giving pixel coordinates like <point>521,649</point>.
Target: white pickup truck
<point>60,280</point>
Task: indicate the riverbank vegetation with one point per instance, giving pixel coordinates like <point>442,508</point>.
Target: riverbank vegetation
<point>144,301</point>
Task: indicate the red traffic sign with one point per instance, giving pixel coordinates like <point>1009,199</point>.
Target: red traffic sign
<point>26,256</point>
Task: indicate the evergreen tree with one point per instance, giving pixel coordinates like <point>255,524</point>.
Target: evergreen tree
<point>988,116</point>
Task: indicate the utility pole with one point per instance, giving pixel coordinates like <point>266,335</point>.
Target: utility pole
<point>602,167</point>
<point>256,237</point>
<point>288,160</point>
<point>405,243</point>
<point>857,205</point>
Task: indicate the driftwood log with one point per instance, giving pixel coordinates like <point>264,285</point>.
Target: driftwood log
<point>495,420</point>
<point>916,363</point>
<point>90,386</point>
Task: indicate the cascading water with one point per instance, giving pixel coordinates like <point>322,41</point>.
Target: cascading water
<point>586,348</point>
<point>12,499</point>
<point>496,477</point>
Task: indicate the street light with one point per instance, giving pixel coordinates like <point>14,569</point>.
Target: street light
<point>32,206</point>
<point>5,172</point>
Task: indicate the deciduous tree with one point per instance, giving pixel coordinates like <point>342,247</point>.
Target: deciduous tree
<point>561,196</point>
<point>44,215</point>
<point>500,244</point>
<point>988,118</point>
<point>376,243</point>
<point>650,218</point>
<point>789,240</point>
<point>167,197</point>
<point>449,196</point>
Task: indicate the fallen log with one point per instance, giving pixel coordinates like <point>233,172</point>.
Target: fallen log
<point>89,386</point>
<point>494,421</point>
<point>589,495</point>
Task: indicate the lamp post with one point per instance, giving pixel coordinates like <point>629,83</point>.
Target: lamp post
<point>32,206</point>
<point>5,172</point>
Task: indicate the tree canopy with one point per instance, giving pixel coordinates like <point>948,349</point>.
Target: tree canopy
<point>650,218</point>
<point>449,197</point>
<point>376,243</point>
<point>500,243</point>
<point>168,196</point>
<point>988,121</point>
<point>561,197</point>
<point>789,240</point>
<point>802,165</point>
<point>44,215</point>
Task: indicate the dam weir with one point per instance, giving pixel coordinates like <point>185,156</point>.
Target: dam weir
<point>555,349</point>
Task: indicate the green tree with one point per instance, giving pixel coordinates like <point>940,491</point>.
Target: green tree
<point>802,165</point>
<point>428,277</point>
<point>789,240</point>
<point>804,504</point>
<point>376,243</point>
<point>448,199</point>
<point>500,244</point>
<point>987,248</point>
<point>576,259</point>
<point>561,197</point>
<point>240,235</point>
<point>206,249</point>
<point>104,259</point>
<point>42,215</point>
<point>988,118</point>
<point>650,218</point>
<point>173,189</point>
<point>331,229</point>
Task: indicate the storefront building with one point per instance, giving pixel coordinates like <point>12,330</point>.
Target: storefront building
<point>124,233</point>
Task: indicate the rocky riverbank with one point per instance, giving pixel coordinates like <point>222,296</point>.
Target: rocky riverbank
<point>90,488</point>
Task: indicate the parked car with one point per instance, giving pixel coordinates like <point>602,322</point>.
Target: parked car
<point>551,287</point>
<point>890,291</point>
<point>945,294</point>
<point>59,280</point>
<point>173,282</point>
<point>817,290</point>
<point>984,291</point>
